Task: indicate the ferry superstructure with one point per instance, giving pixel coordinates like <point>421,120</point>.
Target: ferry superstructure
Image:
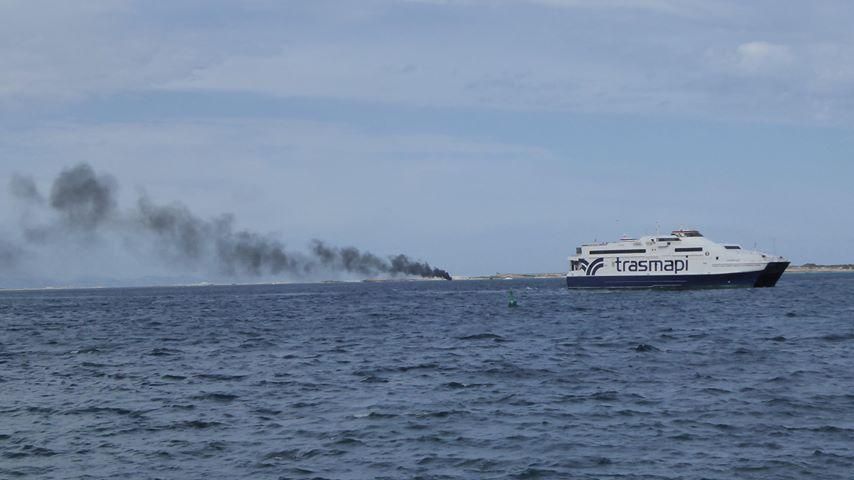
<point>683,259</point>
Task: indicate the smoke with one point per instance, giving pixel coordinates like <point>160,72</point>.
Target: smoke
<point>85,202</point>
<point>25,189</point>
<point>402,264</point>
<point>83,199</point>
<point>179,235</point>
<point>9,254</point>
<point>350,259</point>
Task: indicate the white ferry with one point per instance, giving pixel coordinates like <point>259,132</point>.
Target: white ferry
<point>683,259</point>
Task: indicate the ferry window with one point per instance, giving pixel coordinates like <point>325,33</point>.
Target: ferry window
<point>690,249</point>
<point>732,247</point>
<point>687,233</point>
<point>606,252</point>
<point>671,239</point>
<point>578,250</point>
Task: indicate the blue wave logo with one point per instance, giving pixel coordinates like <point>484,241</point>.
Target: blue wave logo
<point>590,268</point>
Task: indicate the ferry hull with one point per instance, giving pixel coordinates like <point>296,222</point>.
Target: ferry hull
<point>766,277</point>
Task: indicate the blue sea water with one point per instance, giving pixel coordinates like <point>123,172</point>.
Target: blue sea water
<point>429,380</point>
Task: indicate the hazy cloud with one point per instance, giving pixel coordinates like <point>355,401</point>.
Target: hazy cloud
<point>689,8</point>
<point>676,7</point>
<point>759,57</point>
<point>612,56</point>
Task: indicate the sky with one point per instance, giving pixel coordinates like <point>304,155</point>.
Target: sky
<point>481,136</point>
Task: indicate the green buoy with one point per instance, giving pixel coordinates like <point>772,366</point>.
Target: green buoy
<point>512,303</point>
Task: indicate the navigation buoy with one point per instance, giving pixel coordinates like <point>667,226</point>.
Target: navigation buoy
<point>512,303</point>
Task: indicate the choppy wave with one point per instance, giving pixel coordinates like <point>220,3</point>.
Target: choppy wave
<point>428,380</point>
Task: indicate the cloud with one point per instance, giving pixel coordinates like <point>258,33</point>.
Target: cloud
<point>758,57</point>
<point>648,57</point>
<point>675,7</point>
<point>560,55</point>
<point>59,51</point>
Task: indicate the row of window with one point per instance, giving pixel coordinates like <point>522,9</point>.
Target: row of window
<point>643,250</point>
<point>607,252</point>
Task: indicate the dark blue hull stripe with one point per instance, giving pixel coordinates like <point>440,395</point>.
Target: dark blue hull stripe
<point>758,278</point>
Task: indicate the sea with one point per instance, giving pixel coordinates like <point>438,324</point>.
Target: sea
<point>429,380</point>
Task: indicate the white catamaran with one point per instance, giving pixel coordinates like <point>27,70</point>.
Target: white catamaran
<point>683,259</point>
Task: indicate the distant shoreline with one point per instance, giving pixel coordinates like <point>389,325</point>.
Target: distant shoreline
<point>806,268</point>
<point>812,268</point>
<point>512,276</point>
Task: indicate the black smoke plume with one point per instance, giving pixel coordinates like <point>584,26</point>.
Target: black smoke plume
<point>84,199</point>
<point>85,203</point>
<point>350,259</point>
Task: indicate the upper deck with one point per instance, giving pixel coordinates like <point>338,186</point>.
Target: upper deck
<point>682,241</point>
